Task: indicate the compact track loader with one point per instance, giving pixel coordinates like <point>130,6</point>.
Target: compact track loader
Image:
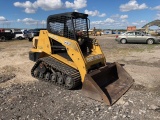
<point>66,56</point>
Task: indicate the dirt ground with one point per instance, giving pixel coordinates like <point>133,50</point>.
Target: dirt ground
<point>24,98</point>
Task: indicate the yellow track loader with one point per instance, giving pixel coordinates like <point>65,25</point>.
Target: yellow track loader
<point>67,57</point>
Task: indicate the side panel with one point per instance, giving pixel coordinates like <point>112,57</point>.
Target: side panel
<point>74,52</point>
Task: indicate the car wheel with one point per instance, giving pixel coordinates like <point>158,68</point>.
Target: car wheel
<point>150,41</point>
<point>3,38</point>
<point>30,39</point>
<point>20,38</point>
<point>123,41</point>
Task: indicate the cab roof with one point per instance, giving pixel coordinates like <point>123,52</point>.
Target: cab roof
<point>67,15</point>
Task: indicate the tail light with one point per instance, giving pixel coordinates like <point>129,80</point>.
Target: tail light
<point>116,36</point>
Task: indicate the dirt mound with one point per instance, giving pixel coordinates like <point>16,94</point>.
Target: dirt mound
<point>6,77</point>
<point>7,73</point>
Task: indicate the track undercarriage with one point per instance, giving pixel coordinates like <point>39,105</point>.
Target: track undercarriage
<point>51,70</point>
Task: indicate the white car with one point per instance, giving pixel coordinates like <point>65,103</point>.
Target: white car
<point>19,35</point>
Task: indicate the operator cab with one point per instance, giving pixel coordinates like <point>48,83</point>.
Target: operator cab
<point>69,25</point>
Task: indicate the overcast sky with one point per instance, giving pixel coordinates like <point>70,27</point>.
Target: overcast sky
<point>105,14</point>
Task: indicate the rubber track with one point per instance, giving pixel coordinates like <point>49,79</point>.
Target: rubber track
<point>59,66</point>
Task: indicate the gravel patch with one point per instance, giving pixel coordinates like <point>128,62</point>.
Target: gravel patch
<point>25,98</point>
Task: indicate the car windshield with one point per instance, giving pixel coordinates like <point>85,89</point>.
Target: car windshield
<point>29,31</point>
<point>18,32</point>
<point>130,33</point>
<point>139,33</point>
<point>25,31</point>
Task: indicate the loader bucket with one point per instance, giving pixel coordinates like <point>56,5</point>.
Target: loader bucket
<point>107,84</point>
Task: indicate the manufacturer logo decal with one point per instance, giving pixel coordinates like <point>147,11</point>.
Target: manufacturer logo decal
<point>67,43</point>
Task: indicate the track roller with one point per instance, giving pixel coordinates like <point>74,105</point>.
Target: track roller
<point>54,77</point>
<point>41,75</point>
<point>60,78</point>
<point>36,73</point>
<point>69,83</point>
<point>47,76</point>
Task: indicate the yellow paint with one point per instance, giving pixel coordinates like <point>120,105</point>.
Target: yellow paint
<point>79,61</point>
